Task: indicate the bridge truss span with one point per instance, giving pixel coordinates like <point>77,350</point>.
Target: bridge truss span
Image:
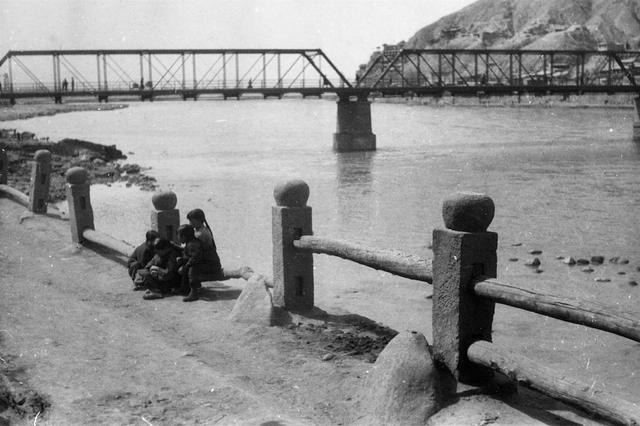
<point>151,73</point>
<point>471,72</point>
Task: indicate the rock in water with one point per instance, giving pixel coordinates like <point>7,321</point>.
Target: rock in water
<point>401,387</point>
<point>597,260</point>
<point>569,261</point>
<point>534,262</point>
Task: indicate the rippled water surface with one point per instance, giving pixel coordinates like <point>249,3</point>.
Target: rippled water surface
<point>564,180</point>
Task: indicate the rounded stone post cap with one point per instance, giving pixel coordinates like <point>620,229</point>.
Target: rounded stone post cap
<point>42,156</point>
<point>292,193</point>
<point>164,200</point>
<point>76,175</point>
<point>468,212</point>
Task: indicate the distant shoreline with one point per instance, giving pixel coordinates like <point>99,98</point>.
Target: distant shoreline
<point>551,101</point>
<point>23,111</point>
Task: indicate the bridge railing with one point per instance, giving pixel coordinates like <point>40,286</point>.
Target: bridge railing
<point>49,87</point>
<point>463,299</point>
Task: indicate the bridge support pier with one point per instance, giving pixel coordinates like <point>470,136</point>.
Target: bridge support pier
<point>353,131</point>
<point>636,121</point>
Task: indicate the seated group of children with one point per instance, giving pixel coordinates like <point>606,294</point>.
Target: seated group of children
<point>161,267</point>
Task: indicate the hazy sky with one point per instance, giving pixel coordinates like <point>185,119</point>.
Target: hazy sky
<point>347,30</point>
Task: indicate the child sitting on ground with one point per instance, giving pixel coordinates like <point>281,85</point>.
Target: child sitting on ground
<point>200,263</point>
<point>163,270</point>
<point>141,255</point>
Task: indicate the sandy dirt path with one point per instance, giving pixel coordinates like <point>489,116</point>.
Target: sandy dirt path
<point>102,355</point>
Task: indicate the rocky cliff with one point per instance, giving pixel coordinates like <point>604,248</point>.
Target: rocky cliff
<point>535,24</point>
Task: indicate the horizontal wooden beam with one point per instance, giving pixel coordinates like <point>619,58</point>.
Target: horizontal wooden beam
<point>119,246</point>
<point>595,315</point>
<point>592,398</point>
<point>15,195</point>
<point>395,262</point>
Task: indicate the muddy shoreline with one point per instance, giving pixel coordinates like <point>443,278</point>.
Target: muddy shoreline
<point>105,164</point>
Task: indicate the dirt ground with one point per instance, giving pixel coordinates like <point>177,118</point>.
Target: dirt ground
<point>79,347</point>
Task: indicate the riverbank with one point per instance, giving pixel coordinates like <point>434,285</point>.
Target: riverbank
<point>79,347</point>
<point>624,101</point>
<point>370,187</point>
<point>104,163</point>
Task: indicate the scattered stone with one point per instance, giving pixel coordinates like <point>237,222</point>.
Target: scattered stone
<point>597,260</point>
<point>633,283</point>
<point>622,273</point>
<point>538,271</point>
<point>513,259</point>
<point>638,268</point>
<point>569,261</point>
<point>328,357</point>
<point>623,261</point>
<point>534,262</point>
<point>516,244</point>
<point>582,262</point>
<point>602,280</point>
<point>614,259</point>
<point>535,252</point>
<point>559,257</point>
<point>588,270</point>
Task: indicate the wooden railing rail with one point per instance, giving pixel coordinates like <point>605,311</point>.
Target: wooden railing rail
<point>591,397</point>
<point>15,195</point>
<point>395,262</point>
<point>105,240</point>
<point>591,314</point>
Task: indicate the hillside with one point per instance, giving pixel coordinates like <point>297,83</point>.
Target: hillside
<point>530,24</point>
<point>534,24</point>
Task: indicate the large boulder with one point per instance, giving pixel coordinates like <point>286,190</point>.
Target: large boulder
<point>255,304</point>
<point>401,387</point>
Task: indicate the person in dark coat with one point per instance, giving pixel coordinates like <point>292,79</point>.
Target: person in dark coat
<point>199,263</point>
<point>162,276</point>
<point>142,254</point>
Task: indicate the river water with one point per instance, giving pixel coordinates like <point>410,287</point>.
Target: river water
<point>564,180</point>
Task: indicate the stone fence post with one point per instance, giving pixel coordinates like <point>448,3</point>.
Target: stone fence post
<point>292,268</point>
<point>463,251</point>
<point>166,218</point>
<point>80,211</point>
<point>40,176</point>
<point>4,167</point>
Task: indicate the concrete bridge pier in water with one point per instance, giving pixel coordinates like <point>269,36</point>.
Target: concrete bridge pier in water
<point>353,130</point>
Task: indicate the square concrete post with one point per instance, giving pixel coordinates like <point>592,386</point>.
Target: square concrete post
<point>4,167</point>
<point>462,252</point>
<point>40,177</point>
<point>292,268</point>
<point>80,211</point>
<point>166,218</point>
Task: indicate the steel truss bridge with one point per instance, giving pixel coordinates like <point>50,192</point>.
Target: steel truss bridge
<point>149,74</point>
